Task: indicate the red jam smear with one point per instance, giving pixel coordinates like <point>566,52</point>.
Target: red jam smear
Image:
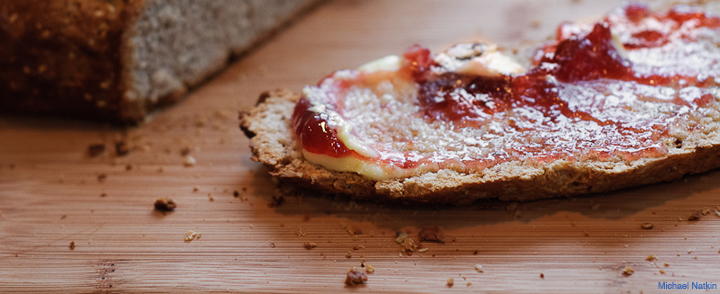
<point>315,134</point>
<point>562,84</point>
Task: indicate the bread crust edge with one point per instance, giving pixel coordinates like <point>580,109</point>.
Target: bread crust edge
<point>272,143</point>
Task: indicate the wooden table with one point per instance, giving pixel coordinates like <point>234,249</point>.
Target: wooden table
<point>52,193</point>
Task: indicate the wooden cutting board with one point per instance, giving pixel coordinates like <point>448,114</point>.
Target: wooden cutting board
<point>52,193</point>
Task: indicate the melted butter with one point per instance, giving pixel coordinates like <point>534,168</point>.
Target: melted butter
<point>365,168</point>
<point>477,59</point>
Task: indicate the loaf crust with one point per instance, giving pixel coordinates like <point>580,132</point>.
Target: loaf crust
<point>117,60</point>
<point>268,125</point>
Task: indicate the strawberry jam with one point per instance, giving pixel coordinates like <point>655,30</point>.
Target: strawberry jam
<point>316,134</point>
<point>632,85</point>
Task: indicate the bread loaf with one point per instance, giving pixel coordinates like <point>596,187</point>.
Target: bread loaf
<point>117,60</point>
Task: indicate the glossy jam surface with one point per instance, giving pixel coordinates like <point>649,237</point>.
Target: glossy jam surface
<point>626,87</point>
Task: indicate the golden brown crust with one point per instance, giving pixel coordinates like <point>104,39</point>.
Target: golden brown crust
<point>273,144</point>
<point>117,60</point>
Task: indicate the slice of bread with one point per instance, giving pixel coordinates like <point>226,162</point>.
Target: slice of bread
<point>118,60</point>
<point>692,144</point>
<point>273,143</point>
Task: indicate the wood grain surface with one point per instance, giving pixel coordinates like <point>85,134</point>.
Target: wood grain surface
<point>52,193</point>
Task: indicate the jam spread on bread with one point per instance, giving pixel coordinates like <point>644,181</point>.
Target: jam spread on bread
<point>629,86</point>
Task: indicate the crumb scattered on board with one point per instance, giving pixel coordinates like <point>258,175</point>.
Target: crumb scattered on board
<point>628,271</point>
<point>72,245</point>
<point>647,226</point>
<point>479,268</point>
<point>694,216</point>
<point>121,148</point>
<point>450,282</point>
<point>651,257</point>
<point>352,230</point>
<point>190,161</point>
<point>165,204</point>
<point>309,245</point>
<point>192,235</point>
<point>369,268</point>
<point>408,244</point>
<point>355,277</point>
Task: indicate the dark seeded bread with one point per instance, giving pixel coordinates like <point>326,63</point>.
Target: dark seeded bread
<point>117,60</point>
<point>272,143</point>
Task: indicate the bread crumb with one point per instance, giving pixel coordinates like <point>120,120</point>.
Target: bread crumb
<point>479,268</point>
<point>348,255</point>
<point>165,204</point>
<point>121,148</point>
<point>431,234</point>
<point>192,235</point>
<point>185,151</point>
<point>400,237</point>
<point>72,245</point>
<point>95,150</point>
<point>309,245</point>
<point>450,282</point>
<point>272,245</point>
<point>542,276</point>
<point>421,250</point>
<point>369,268</point>
<point>102,177</point>
<point>694,216</point>
<point>355,277</point>
<point>409,245</point>
<point>662,272</point>
<point>627,271</point>
<point>64,216</point>
<point>651,257</point>
<point>352,230</point>
<point>358,247</point>
<point>190,161</point>
<point>236,193</point>
<point>469,284</point>
<point>666,264</point>
<point>300,232</point>
<point>210,197</point>
<point>646,226</point>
